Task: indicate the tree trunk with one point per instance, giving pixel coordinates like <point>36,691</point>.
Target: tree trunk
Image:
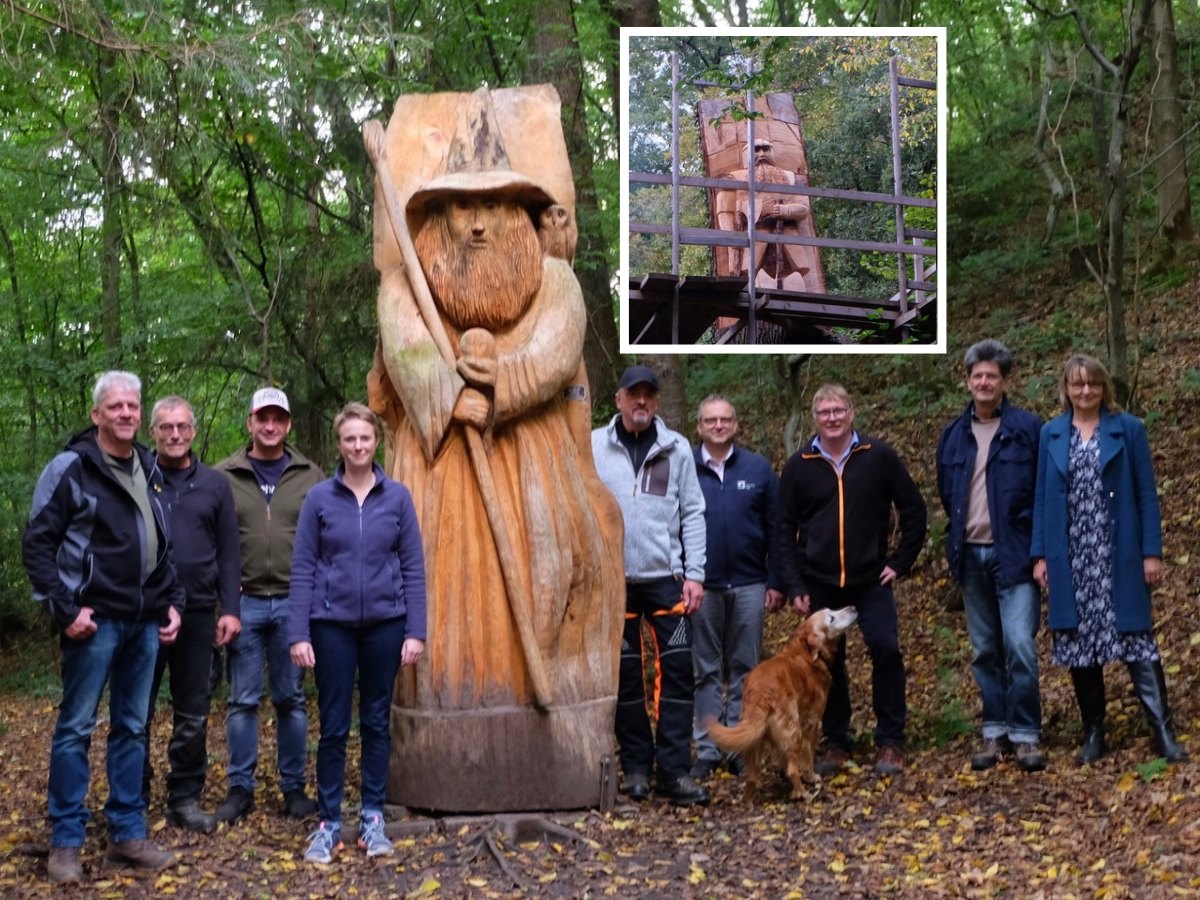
<point>672,401</point>
<point>1114,205</point>
<point>1039,145</point>
<point>1166,125</point>
<point>109,163</point>
<point>554,57</point>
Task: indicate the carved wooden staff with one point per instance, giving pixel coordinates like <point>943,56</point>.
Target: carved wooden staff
<point>373,138</point>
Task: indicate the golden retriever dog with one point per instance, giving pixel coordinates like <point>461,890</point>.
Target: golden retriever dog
<point>782,704</point>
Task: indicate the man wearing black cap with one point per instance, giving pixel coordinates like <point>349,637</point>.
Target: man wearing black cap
<point>650,471</point>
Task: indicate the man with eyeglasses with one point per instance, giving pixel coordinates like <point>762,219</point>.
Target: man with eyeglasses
<point>836,499</point>
<point>740,493</point>
<point>986,471</point>
<point>203,521</point>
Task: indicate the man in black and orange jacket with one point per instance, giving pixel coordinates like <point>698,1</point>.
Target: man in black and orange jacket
<point>836,498</point>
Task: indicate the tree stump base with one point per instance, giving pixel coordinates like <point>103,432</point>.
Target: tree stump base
<point>503,759</point>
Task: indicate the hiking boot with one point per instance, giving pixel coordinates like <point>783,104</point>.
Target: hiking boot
<point>889,760</point>
<point>683,791</point>
<point>704,768</point>
<point>238,804</point>
<point>188,815</point>
<point>636,786</point>
<point>323,843</point>
<point>989,753</point>
<point>1030,757</point>
<point>371,836</point>
<point>298,805</point>
<point>735,765</point>
<point>831,761</point>
<point>139,854</point>
<point>63,866</point>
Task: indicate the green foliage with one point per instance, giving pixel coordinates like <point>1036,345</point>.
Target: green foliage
<point>1153,769</point>
<point>1189,382</point>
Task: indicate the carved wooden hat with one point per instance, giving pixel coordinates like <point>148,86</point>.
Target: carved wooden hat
<point>477,163</point>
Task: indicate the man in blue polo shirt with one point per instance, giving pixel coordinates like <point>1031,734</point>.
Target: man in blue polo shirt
<point>740,493</point>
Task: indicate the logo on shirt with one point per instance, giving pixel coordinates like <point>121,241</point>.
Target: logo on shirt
<point>744,485</point>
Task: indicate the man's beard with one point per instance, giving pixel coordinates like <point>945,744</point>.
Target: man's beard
<point>482,287</point>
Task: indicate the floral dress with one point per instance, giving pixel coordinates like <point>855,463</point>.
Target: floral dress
<point>1096,641</point>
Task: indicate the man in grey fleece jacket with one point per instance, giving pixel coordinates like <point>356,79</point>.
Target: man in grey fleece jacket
<point>650,471</point>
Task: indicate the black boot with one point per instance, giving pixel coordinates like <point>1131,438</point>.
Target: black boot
<point>1151,687</point>
<point>1089,694</point>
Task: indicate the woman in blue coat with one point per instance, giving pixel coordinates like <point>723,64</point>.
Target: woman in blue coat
<point>1097,550</point>
<point>357,605</point>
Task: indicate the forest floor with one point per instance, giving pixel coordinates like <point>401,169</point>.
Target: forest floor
<point>1126,827</point>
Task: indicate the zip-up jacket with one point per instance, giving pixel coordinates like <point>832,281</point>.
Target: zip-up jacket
<point>204,527</point>
<point>357,565</point>
<point>1011,475</point>
<point>739,515</point>
<point>267,531</point>
<point>85,540</point>
<point>661,503</point>
<point>834,530</point>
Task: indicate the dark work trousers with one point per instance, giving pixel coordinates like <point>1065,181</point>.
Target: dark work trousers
<point>190,662</point>
<point>659,603</point>
<point>876,605</point>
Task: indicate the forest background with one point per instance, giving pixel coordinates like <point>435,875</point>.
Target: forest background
<point>184,193</point>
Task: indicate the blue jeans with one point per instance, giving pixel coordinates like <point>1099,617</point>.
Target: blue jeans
<point>726,638</point>
<point>122,655</point>
<point>341,651</point>
<point>1003,624</point>
<point>264,634</point>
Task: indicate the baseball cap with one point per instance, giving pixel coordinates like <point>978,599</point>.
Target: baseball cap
<point>638,375</point>
<point>265,397</point>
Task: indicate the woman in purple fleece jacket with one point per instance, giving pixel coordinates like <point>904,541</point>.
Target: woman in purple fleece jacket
<point>357,603</point>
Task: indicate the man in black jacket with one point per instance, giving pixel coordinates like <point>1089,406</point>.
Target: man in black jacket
<point>204,539</point>
<point>97,554</point>
<point>836,499</point>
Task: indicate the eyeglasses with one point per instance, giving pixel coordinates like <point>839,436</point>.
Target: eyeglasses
<point>835,412</point>
<point>1080,385</point>
<point>718,420</point>
<point>172,428</point>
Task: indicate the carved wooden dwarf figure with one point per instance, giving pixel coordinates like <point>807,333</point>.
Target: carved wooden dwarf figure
<point>479,375</point>
<point>786,266</point>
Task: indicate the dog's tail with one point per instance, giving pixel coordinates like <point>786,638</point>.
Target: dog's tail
<point>748,732</point>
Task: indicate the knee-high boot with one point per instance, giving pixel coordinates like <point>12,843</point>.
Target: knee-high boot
<point>1151,687</point>
<point>1089,694</point>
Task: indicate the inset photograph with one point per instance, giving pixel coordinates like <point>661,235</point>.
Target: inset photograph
<point>781,189</point>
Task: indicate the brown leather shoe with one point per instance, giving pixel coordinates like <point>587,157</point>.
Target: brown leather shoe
<point>890,760</point>
<point>140,854</point>
<point>64,867</point>
<point>831,761</point>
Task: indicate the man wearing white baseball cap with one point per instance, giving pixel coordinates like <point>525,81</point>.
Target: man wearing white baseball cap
<point>270,479</point>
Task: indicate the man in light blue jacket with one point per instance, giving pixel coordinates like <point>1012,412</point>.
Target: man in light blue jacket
<point>650,470</point>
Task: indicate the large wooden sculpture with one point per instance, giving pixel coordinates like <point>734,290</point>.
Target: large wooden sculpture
<point>479,375</point>
<point>779,157</point>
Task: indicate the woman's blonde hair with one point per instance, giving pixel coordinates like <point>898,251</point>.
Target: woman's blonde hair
<point>356,410</point>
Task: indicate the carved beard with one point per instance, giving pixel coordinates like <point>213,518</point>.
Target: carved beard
<point>482,287</point>
<point>769,173</point>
